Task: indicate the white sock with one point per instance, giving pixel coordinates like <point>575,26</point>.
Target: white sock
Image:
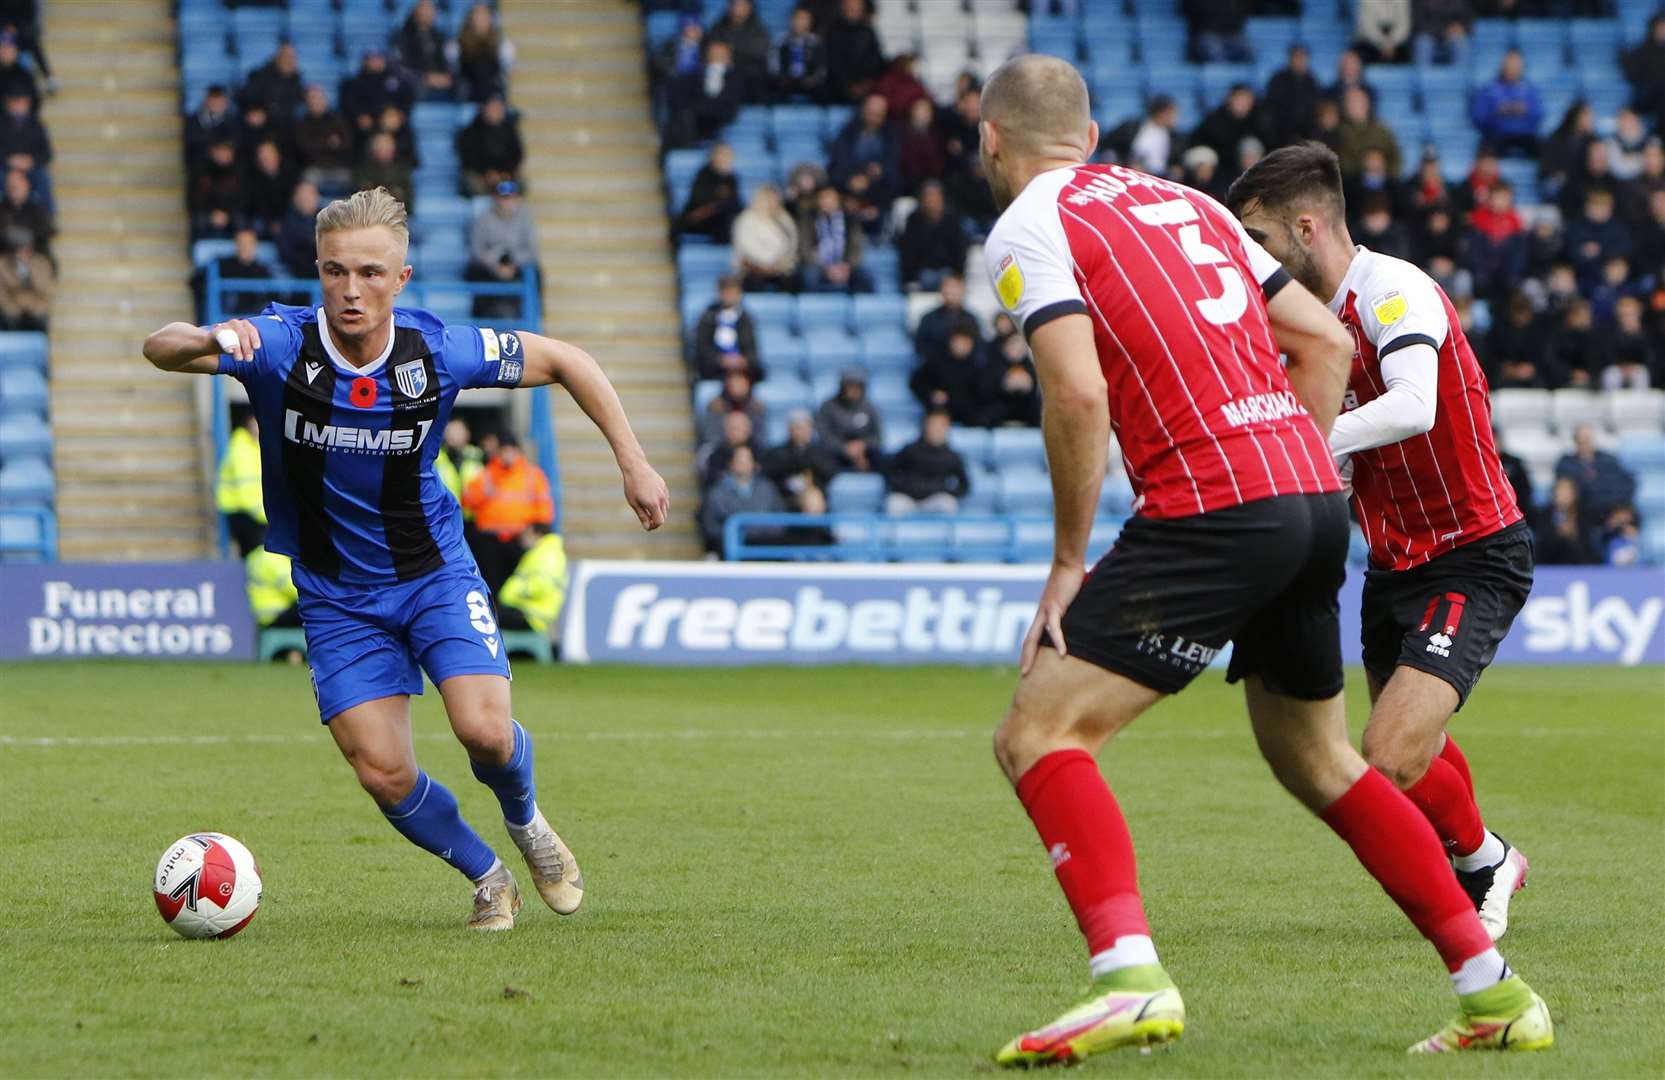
<point>496,865</point>
<point>1489,853</point>
<point>1480,972</point>
<point>1130,950</point>
<point>523,832</point>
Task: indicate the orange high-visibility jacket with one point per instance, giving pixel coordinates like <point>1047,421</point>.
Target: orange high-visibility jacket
<point>504,499</point>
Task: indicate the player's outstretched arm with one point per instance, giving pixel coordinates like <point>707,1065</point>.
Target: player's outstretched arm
<point>549,361</point>
<point>180,346</point>
<point>1075,422</point>
<point>1319,348</point>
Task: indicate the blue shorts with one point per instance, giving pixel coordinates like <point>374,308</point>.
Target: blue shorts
<point>374,641</point>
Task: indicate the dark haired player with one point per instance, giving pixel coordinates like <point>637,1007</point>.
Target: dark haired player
<point>1450,553</point>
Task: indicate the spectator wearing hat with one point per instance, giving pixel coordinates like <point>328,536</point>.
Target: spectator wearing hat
<point>489,148</point>
<point>421,47</point>
<point>830,246</point>
<point>213,120</point>
<point>376,85</point>
<point>1200,168</point>
<point>800,59</point>
<point>26,282</point>
<point>927,475</point>
<point>506,496</point>
<point>933,243</point>
<point>502,247</point>
<point>849,425</point>
<point>725,340</point>
<point>19,209</point>
<point>276,87</point>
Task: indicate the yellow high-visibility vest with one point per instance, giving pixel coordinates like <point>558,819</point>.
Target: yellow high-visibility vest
<point>271,592</point>
<point>538,586</point>
<point>456,479</point>
<point>238,488</point>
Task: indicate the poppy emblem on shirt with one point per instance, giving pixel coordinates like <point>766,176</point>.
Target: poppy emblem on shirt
<point>362,394</point>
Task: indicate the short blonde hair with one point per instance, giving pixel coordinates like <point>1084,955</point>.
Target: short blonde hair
<point>365,210</point>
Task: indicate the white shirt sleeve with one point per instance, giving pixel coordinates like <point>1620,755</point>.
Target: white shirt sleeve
<point>1400,306</point>
<point>1030,263</point>
<point>1406,408</point>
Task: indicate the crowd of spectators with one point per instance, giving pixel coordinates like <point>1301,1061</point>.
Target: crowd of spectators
<point>263,158</point>
<point>1566,292</point>
<point>28,274</point>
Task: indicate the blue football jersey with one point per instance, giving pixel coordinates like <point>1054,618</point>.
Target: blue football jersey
<point>347,454</point>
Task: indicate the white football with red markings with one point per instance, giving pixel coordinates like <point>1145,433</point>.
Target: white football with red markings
<point>207,885</point>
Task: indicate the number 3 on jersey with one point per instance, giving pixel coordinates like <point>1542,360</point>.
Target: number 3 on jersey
<point>1230,305</point>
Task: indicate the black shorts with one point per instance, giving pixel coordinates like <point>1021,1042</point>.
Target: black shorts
<point>1447,616</point>
<point>1263,575</point>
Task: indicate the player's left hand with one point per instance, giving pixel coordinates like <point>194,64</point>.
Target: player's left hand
<point>646,493</point>
<point>1062,584</point>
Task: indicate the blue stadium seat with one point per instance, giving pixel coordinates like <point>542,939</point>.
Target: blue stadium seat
<point>1650,494</point>
<point>1103,535</point>
<point>1593,41</point>
<point>453,303</point>
<point>785,355</point>
<point>834,118</point>
<point>752,121</point>
<point>797,121</point>
<point>1116,496</point>
<point>891,395</point>
<point>827,352</point>
<point>438,211</point>
<point>856,493</point>
<point>884,266</point>
<point>1271,36</point>
<point>1017,448</point>
<point>700,263</point>
<point>1642,451</point>
<point>770,309</point>
<point>24,434</point>
<point>887,348</point>
<point>22,537</point>
<point>783,393</point>
<point>821,311</point>
<point>794,150</point>
<point>26,482</point>
<point>886,309</point>
<point>257,24</point>
<point>21,389</point>
<point>1215,80</point>
<point>983,498</point>
<point>23,349</point>
<point>972,443</point>
<point>441,257</point>
<point>1025,491</point>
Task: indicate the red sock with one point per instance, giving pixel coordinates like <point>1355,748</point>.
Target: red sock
<point>1398,846</point>
<point>1083,830</point>
<point>1453,756</point>
<point>1449,806</point>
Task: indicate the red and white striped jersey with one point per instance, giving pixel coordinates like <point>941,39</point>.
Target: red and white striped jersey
<point>1199,400</point>
<point>1421,497</point>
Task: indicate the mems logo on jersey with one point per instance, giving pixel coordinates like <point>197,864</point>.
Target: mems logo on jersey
<point>354,440</point>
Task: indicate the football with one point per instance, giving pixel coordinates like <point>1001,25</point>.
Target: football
<point>207,885</point>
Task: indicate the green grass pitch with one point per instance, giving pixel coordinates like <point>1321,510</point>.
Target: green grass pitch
<point>794,873</point>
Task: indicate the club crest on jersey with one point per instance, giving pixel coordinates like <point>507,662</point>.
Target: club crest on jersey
<point>509,373</point>
<point>1389,307</point>
<point>1008,280</point>
<point>509,345</point>
<point>412,377</point>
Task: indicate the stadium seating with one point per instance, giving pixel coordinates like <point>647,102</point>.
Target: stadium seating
<point>1128,50</point>
<point>28,525</point>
